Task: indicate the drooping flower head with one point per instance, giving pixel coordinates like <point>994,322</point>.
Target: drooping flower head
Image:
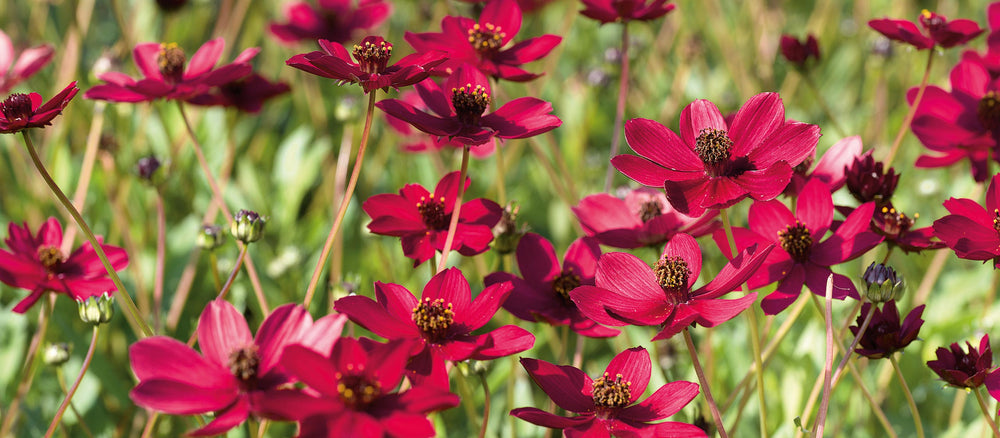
<point>970,230</point>
<point>332,20</point>
<point>885,335</point>
<point>939,30</point>
<point>35,262</point>
<point>831,167</point>
<point>13,72</point>
<point>247,94</point>
<point>964,369</point>
<point>607,405</point>
<point>22,111</point>
<point>611,11</point>
<point>800,53</point>
<point>643,218</point>
<point>483,43</point>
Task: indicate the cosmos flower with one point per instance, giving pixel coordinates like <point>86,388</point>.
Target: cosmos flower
<point>885,335</point>
<point>799,53</point>
<point>831,167</point>
<point>29,61</point>
<point>22,111</point>
<point>332,20</point>
<point>972,231</point>
<point>643,218</point>
<point>939,31</point>
<point>964,369</point>
<point>611,11</point>
<point>247,94</point>
<point>416,141</point>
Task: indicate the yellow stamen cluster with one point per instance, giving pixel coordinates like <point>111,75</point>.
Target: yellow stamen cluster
<point>488,38</point>
<point>434,317</point>
<point>612,393</point>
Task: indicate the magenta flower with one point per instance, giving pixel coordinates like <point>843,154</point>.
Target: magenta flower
<point>885,335</point>
<point>611,11</point>
<point>441,322</point>
<point>607,405</point>
<point>991,58</point>
<point>235,376</point>
<point>897,229</point>
<point>940,31</point>
<point>831,168</point>
<point>629,292</point>
<point>799,53</point>
<point>421,219</point>
<point>802,257</point>
<point>22,111</point>
<point>543,292</point>
<point>964,369</point>
<point>167,74</point>
<point>35,262</point>
<point>417,141</point>
<point>372,69</point>
<point>332,20</point>
<point>714,164</point>
<point>27,64</point>
<point>643,218</point>
<point>247,94</point>
<point>458,114</point>
<point>482,44</point>
<point>970,230</point>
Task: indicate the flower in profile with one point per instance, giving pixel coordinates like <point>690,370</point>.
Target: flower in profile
<point>714,164</point>
<point>441,322</point>
<point>27,64</point>
<point>235,375</point>
<point>36,263</point>
<point>22,111</point>
<point>417,141</point>
<point>628,291</point>
<point>459,111</point>
<point>643,218</point>
<point>371,68</point>
<point>885,335</point>
<point>167,73</point>
<point>802,256</point>
<point>542,291</point>
<point>964,369</point>
<point>800,53</point>
<point>897,228</point>
<point>332,20</point>
<point>483,43</point>
<point>607,405</point>
<point>970,230</point>
<point>868,181</point>
<point>246,94</point>
<point>939,31</point>
<point>611,11</point>
<point>831,167</point>
<point>421,219</point>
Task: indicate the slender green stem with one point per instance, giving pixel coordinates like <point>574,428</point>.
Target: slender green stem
<point>123,297</point>
<point>342,210</point>
<point>986,412</point>
<point>161,255</point>
<point>824,406</point>
<point>486,404</point>
<point>147,431</point>
<point>30,364</point>
<point>619,109</point>
<point>716,416</point>
<point>913,110</point>
<point>456,210</point>
<point>87,169</point>
<point>72,390</point>
<point>909,397</point>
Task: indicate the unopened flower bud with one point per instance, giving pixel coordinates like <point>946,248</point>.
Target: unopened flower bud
<point>56,354</point>
<point>248,226</point>
<point>506,233</point>
<point>150,170</point>
<point>882,284</point>
<point>210,237</point>
<point>96,310</point>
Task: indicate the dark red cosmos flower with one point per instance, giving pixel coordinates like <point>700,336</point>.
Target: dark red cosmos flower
<point>712,164</point>
<point>35,262</point>
<point>356,394</point>
<point>332,20</point>
<point>940,31</point>
<point>372,69</point>
<point>421,219</point>
<point>897,228</point>
<point>884,335</point>
<point>799,53</point>
<point>970,230</point>
<point>167,73</point>
<point>607,405</point>
<point>28,62</point>
<point>246,94</point>
<point>418,141</point>
<point>629,292</point>
<point>991,58</point>
<point>235,376</point>
<point>867,180</point>
<point>481,44</point>
<point>801,256</point>
<point>963,369</point>
<point>543,292</point>
<point>831,168</point>
<point>643,218</point>
<point>610,11</point>
<point>22,111</point>
<point>441,322</point>
<point>460,106</point>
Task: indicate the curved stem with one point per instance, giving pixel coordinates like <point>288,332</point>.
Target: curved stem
<point>854,343</point>
<point>456,210</point>
<point>913,110</point>
<point>147,431</point>
<point>72,390</point>
<point>123,297</point>
<point>28,370</point>
<point>619,109</point>
<point>704,384</point>
<point>486,404</point>
<point>909,397</point>
<point>824,406</point>
<point>161,255</point>
<point>986,412</point>
<point>79,418</point>
<point>339,220</point>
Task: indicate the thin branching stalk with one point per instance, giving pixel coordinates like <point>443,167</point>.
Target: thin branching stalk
<point>716,416</point>
<point>161,255</point>
<point>79,418</point>
<point>72,390</point>
<point>986,412</point>
<point>854,343</point>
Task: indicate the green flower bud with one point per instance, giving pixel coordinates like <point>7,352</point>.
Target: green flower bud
<point>882,284</point>
<point>248,226</point>
<point>96,310</point>
<point>210,237</point>
<point>506,233</point>
<point>56,354</point>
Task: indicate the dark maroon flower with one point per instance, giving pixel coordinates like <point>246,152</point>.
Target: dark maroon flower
<point>167,73</point>
<point>802,256</point>
<point>714,164</point>
<point>543,292</point>
<point>421,219</point>
<point>868,181</point>
<point>482,44</point>
<point>643,218</point>
<point>970,230</point>
<point>799,53</point>
<point>460,108</point>
<point>607,405</point>
<point>628,291</point>
<point>897,228</point>
<point>441,322</point>
<point>246,94</point>
<point>610,11</point>
<point>940,31</point>
<point>35,262</point>
<point>417,141</point>
<point>332,20</point>
<point>371,68</point>
<point>831,168</point>
<point>964,369</point>
<point>884,335</point>
<point>27,64</point>
<point>22,111</point>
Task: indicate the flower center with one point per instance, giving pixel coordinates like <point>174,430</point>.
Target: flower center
<point>373,58</point>
<point>713,146</point>
<point>432,212</point>
<point>357,392</point>
<point>171,61</point>
<point>470,103</point>
<point>565,282</point>
<point>244,363</point>
<point>673,274</point>
<point>650,210</point>
<point>50,257</point>
<point>895,222</point>
<point>488,38</point>
<point>931,21</point>
<point>996,219</point>
<point>989,110</point>
<point>433,317</point>
<point>16,107</point>
<point>611,393</point>
<point>796,241</point>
